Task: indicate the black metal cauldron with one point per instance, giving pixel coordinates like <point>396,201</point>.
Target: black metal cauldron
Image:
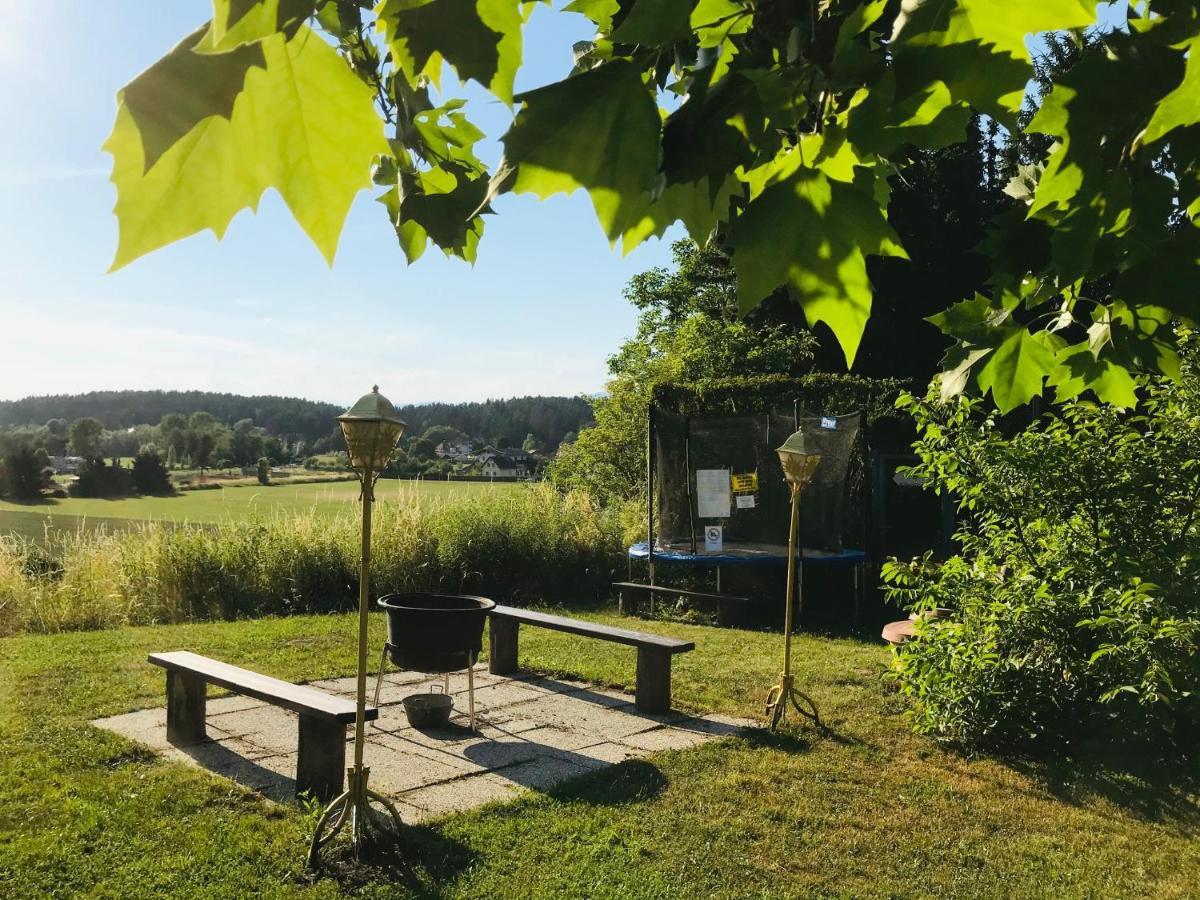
<point>434,633</point>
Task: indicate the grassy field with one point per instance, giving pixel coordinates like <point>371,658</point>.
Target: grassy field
<point>866,809</point>
<point>226,504</point>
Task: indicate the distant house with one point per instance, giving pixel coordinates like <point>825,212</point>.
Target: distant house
<point>498,466</point>
<point>518,456</point>
<point>65,465</point>
<point>447,450</point>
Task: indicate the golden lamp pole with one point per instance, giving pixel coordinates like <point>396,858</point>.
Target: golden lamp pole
<point>799,463</point>
<point>371,428</point>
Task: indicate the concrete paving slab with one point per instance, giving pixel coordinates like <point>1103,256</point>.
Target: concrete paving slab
<point>231,703</point>
<point>398,772</point>
<point>533,733</point>
<point>664,738</point>
<point>460,794</point>
<point>269,727</point>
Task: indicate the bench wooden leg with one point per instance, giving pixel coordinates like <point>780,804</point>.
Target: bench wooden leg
<point>653,680</point>
<point>502,646</point>
<point>186,697</point>
<point>321,762</point>
<point>627,603</point>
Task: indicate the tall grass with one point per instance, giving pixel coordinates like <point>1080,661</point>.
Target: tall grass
<point>514,546</point>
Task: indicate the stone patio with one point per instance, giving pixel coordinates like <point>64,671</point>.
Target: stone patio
<point>531,733</point>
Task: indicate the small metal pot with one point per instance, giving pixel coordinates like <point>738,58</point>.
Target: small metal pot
<point>428,710</point>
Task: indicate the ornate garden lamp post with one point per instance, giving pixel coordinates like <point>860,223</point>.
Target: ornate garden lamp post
<point>371,428</point>
<point>799,461</point>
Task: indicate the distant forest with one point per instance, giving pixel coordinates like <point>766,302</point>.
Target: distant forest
<point>505,423</point>
<point>499,422</point>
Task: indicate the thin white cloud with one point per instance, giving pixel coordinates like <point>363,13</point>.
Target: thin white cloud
<point>72,346</point>
<point>24,177</point>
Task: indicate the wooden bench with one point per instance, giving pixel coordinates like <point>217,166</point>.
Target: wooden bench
<point>321,760</point>
<point>653,693</point>
<point>721,601</point>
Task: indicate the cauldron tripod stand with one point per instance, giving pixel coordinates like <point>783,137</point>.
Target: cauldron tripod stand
<point>436,634</point>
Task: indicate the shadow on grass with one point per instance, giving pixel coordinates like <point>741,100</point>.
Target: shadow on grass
<point>419,857</point>
<point>427,862</point>
<point>1155,790</point>
<point>631,781</point>
<point>33,501</point>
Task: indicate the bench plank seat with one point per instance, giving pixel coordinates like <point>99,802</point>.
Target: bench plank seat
<point>321,736</point>
<point>722,602</point>
<point>662,589</point>
<point>653,691</point>
<point>594,629</point>
<point>299,698</point>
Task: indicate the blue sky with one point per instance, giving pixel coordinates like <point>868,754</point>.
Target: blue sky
<point>260,312</point>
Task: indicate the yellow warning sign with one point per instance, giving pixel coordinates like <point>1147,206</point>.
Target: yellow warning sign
<point>744,484</point>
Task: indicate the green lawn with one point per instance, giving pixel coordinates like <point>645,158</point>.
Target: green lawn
<point>240,502</point>
<point>867,809</point>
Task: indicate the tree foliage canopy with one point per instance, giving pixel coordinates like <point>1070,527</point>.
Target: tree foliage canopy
<point>689,333</point>
<point>777,126</point>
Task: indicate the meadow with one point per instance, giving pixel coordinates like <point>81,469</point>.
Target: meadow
<point>519,543</point>
<point>864,809</point>
<point>226,504</point>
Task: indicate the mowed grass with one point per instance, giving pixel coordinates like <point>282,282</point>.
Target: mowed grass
<point>226,504</point>
<point>865,809</point>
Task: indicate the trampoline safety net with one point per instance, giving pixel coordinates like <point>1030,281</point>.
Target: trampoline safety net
<point>724,471</point>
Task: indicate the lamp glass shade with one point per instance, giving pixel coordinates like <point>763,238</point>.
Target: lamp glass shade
<point>799,460</point>
<point>371,428</point>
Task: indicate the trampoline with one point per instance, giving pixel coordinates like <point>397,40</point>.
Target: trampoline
<point>749,557</point>
<point>718,500</point>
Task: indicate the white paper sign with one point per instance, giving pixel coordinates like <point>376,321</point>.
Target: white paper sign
<point>713,538</point>
<point>829,423</point>
<point>712,493</point>
<point>745,501</point>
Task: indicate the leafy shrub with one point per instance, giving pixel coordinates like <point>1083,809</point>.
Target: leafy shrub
<point>98,479</point>
<point>1076,593</point>
<point>150,475</point>
<point>25,473</point>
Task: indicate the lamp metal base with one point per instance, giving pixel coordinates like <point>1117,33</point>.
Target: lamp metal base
<point>784,693</point>
<point>353,806</point>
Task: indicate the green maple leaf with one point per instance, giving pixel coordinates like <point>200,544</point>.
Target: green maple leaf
<point>1015,369</point>
<point>303,124</point>
<point>715,21</point>
<point>1087,189</point>
<point>597,130</point>
<point>655,22</point>
<point>601,12</point>
<point>695,204</point>
<point>977,47</point>
<point>239,22</point>
<point>813,234</point>
<point>1169,278</point>
<point>710,134</point>
<point>973,321</point>
<point>957,364</point>
<point>1181,107</point>
<point>1079,370</point>
<point>444,204</point>
<point>929,117</point>
<point>182,89</point>
<point>481,39</point>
